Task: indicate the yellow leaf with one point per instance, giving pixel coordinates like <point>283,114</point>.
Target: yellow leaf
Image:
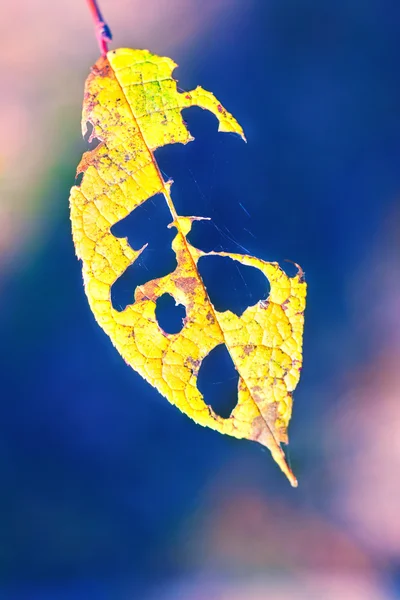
<point>133,104</point>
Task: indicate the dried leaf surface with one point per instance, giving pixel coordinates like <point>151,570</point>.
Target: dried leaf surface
<point>133,104</point>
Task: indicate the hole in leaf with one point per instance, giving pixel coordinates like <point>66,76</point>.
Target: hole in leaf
<point>147,224</point>
<point>92,143</point>
<point>218,381</point>
<point>202,171</point>
<point>170,315</point>
<point>209,237</point>
<point>231,285</point>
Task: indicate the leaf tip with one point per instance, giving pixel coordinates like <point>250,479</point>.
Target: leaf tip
<point>281,460</point>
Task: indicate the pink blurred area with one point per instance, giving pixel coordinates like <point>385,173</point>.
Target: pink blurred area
<point>244,546</point>
<point>45,58</point>
<point>274,587</point>
<point>364,440</point>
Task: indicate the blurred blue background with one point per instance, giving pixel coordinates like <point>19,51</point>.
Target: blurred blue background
<point>107,491</point>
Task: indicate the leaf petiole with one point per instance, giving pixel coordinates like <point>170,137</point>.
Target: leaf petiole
<point>103,33</point>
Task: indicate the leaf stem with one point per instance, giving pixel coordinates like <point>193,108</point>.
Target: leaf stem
<point>103,33</point>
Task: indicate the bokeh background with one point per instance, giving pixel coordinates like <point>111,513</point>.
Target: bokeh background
<point>107,491</point>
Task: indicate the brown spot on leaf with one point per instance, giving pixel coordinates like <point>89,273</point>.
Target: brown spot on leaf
<point>90,158</point>
<point>148,291</point>
<point>102,68</point>
<point>187,284</point>
<point>193,364</point>
<point>248,349</point>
